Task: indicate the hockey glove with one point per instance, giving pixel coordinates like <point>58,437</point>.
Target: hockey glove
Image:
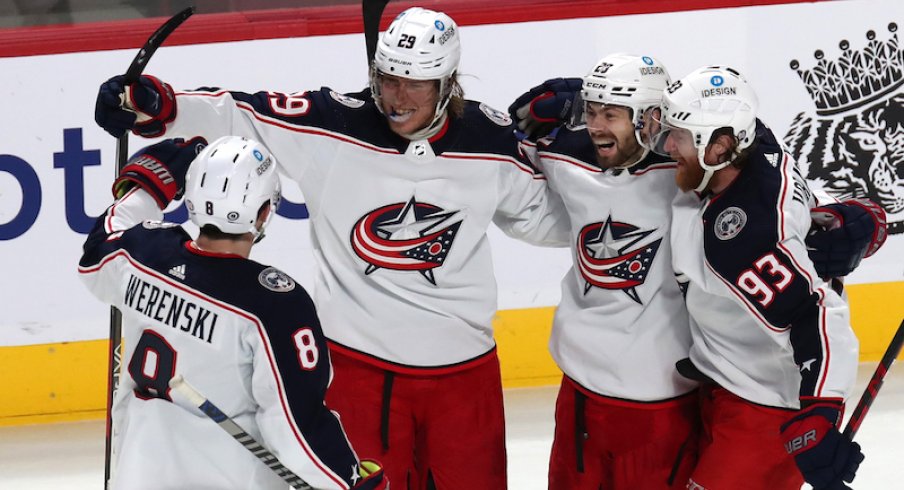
<point>845,233</point>
<point>543,108</point>
<point>826,458</point>
<point>372,477</point>
<point>144,107</point>
<point>159,169</point>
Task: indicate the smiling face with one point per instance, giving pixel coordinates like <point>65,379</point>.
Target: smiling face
<point>612,132</point>
<point>409,105</point>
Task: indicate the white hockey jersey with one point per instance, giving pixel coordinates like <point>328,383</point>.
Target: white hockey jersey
<point>246,335</point>
<point>764,325</point>
<point>405,277</point>
<point>621,324</point>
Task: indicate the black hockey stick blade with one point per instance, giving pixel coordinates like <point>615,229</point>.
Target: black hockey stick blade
<point>138,65</point>
<point>872,388</point>
<point>372,11</point>
<point>154,42</point>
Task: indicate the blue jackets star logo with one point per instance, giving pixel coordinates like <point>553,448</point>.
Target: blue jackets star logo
<point>609,256</point>
<point>405,236</point>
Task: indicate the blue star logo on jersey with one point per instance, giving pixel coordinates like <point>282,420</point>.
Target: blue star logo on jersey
<point>405,236</point>
<point>609,256</point>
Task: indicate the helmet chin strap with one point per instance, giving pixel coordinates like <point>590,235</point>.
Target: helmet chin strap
<point>638,126</point>
<point>257,233</point>
<point>708,170</point>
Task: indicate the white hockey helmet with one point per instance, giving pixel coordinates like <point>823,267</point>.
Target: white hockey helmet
<point>419,44</point>
<point>227,184</point>
<point>706,100</point>
<point>631,81</point>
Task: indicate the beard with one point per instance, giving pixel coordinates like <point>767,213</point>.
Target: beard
<point>627,152</point>
<point>689,175</point>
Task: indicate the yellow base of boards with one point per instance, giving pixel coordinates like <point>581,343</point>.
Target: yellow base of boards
<point>67,381</point>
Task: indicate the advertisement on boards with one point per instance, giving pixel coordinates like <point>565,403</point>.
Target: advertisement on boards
<point>830,78</point>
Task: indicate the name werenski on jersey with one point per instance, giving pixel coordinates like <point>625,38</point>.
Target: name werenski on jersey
<point>170,309</point>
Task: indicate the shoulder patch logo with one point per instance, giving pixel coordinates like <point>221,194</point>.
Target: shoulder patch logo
<point>276,280</point>
<point>497,116</point>
<point>729,223</point>
<point>346,100</point>
<point>154,224</point>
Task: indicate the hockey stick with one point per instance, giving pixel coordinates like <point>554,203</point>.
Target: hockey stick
<point>122,151</point>
<point>182,387</point>
<point>372,10</point>
<point>872,388</point>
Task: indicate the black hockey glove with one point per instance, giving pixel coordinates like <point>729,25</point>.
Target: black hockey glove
<point>844,234</point>
<point>144,107</point>
<point>826,458</point>
<point>543,108</point>
<point>159,169</point>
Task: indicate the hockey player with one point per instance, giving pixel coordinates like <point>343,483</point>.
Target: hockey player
<point>625,418</point>
<point>401,191</point>
<point>771,341</point>
<point>245,334</point>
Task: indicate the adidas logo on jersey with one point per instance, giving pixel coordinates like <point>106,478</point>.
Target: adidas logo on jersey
<point>178,271</point>
<point>772,158</point>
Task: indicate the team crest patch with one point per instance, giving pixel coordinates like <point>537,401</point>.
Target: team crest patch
<point>155,224</point>
<point>614,255</point>
<point>346,100</point>
<point>729,223</point>
<point>497,116</point>
<point>276,280</point>
<point>406,236</point>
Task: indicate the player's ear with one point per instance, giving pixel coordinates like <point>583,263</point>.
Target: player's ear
<point>721,148</point>
<point>262,214</point>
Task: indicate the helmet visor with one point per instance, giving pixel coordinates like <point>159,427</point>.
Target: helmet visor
<point>668,140</point>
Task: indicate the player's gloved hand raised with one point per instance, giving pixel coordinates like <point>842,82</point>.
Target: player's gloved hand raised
<point>844,234</point>
<point>543,108</point>
<point>159,169</point>
<point>372,477</point>
<point>826,458</point>
<point>144,107</point>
